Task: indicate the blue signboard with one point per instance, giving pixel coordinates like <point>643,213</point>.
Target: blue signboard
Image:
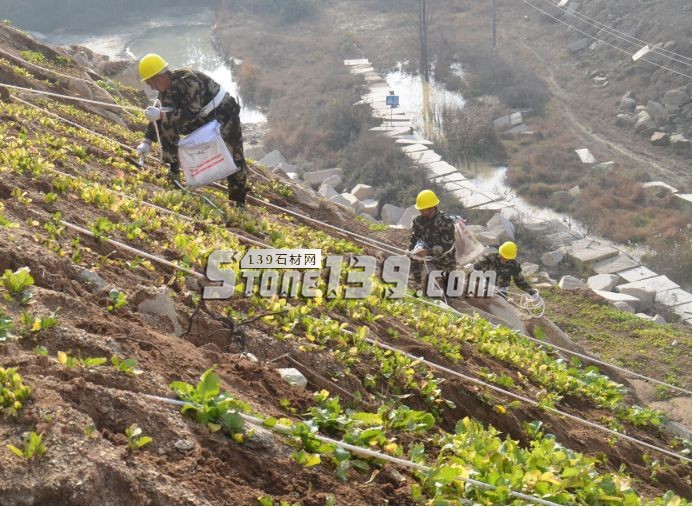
<point>392,100</point>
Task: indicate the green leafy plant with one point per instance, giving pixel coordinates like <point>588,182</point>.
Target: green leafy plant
<point>101,227</point>
<point>6,326</point>
<point>32,446</point>
<point>69,361</point>
<point>33,56</point>
<point>128,366</point>
<point>17,284</point>
<point>13,392</point>
<point>135,438</point>
<point>116,300</point>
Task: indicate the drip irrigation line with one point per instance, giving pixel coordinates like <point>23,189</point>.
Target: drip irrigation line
<point>69,97</point>
<point>600,40</point>
<point>361,451</point>
<point>623,36</point>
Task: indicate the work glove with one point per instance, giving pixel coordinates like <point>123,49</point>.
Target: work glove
<point>419,253</point>
<point>535,296</point>
<point>144,148</point>
<point>437,250</point>
<point>469,267</point>
<point>152,113</point>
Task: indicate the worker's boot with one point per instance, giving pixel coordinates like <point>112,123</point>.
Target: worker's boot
<point>173,173</point>
<point>237,195</point>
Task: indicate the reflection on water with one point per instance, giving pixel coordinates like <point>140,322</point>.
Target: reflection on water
<point>191,46</point>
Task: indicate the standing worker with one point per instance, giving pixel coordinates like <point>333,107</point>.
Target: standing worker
<point>505,265</point>
<point>190,99</point>
<point>433,233</point>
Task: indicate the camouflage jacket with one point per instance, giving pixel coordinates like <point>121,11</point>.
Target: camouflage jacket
<point>505,271</point>
<point>436,233</point>
<point>190,91</point>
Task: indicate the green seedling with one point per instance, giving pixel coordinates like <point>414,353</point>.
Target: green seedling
<point>12,390</point>
<point>32,446</point>
<point>69,361</point>
<point>135,437</point>
<point>6,327</point>
<point>128,366</point>
<point>117,300</point>
<point>17,285</point>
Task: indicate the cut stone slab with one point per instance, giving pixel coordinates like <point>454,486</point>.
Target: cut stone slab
<point>502,123</point>
<point>346,199</point>
<point>293,377</point>
<point>679,142</point>
<point>685,197</point>
<point>413,140</point>
<point>358,61</point>
<point>614,264</point>
<point>441,169</point>
<point>568,282</point>
<point>391,214</point>
<point>327,191</point>
<point>586,251</point>
<point>500,222</point>
<point>586,156</point>
<point>624,307</point>
<point>645,297</point>
<point>676,98</point>
<point>158,301</point>
<point>399,131</point>
<point>369,207</point>
<point>273,159</point>
<point>408,217</point>
<point>682,312</point>
<point>659,139</point>
<point>637,274</point>
<point>515,119</point>
<point>362,191</point>
<point>659,185</point>
<point>655,284</point>
<point>425,157</point>
<point>95,282</point>
<point>335,181</point>
<point>306,196</point>
<point>552,259</point>
<point>603,282</point>
<point>529,269</point>
<point>411,148</point>
<point>613,297</point>
<point>490,238</point>
<point>316,178</point>
<point>472,197</point>
<point>606,165</point>
<point>673,297</point>
<point>515,131</point>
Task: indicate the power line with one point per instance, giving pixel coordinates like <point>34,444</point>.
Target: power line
<point>687,76</point>
<point>594,22</point>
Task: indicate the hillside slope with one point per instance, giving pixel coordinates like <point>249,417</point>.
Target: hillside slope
<point>91,299</point>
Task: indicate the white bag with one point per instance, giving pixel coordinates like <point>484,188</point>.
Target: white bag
<point>204,156</point>
<point>467,248</point>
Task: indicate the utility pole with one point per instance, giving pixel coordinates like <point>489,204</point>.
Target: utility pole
<point>494,25</point>
<point>424,67</point>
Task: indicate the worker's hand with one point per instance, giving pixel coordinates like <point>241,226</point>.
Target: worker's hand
<point>153,114</point>
<point>469,267</point>
<point>144,148</point>
<point>419,252</point>
<point>437,250</point>
<point>535,297</point>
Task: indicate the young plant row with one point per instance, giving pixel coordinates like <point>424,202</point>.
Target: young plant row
<point>545,468</point>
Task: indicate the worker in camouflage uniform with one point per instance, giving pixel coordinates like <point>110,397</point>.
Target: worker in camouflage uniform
<point>505,264</point>
<point>433,233</point>
<point>190,99</point>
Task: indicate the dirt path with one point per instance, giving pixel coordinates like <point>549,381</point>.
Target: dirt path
<point>670,176</point>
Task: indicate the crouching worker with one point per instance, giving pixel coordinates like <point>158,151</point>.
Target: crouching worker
<point>189,100</point>
<point>507,268</point>
<point>433,235</point>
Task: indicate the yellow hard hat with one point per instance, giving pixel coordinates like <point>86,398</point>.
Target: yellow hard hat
<point>426,199</point>
<point>151,65</point>
<point>508,250</point>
